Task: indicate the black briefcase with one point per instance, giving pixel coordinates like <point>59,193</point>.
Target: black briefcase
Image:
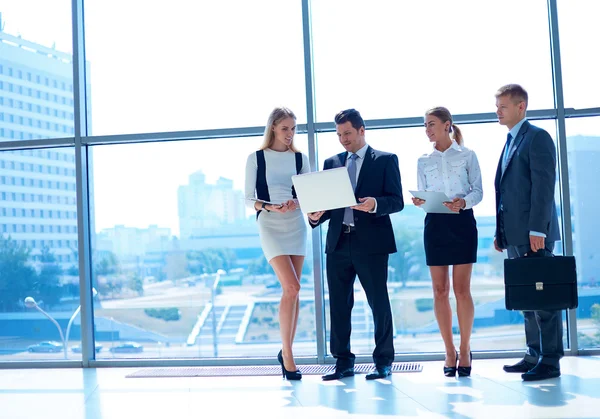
<point>540,282</point>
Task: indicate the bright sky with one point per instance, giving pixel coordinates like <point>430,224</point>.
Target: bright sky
<point>185,65</point>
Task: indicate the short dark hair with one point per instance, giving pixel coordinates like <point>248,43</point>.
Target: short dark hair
<point>513,92</point>
<point>351,115</point>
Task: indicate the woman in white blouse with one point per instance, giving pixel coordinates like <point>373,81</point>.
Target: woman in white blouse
<point>281,225</point>
<point>451,239</point>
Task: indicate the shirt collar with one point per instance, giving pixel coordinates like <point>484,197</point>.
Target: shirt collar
<point>360,153</point>
<point>454,146</point>
<point>515,130</point>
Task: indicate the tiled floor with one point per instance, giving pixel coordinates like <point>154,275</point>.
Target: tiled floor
<point>489,393</point>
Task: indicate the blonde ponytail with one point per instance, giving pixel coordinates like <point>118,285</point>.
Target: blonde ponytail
<point>457,135</point>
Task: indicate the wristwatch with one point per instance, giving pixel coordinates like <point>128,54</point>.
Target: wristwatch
<point>264,206</point>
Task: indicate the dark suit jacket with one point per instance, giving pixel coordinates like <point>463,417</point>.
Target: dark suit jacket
<point>526,189</point>
<point>379,178</point>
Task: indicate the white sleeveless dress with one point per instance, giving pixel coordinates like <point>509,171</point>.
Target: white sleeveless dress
<point>280,234</point>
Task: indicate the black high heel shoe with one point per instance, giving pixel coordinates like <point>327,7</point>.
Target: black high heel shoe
<point>451,371</point>
<point>466,371</point>
<point>289,375</point>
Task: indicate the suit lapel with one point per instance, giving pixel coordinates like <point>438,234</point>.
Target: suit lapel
<point>364,169</point>
<point>342,159</point>
<point>517,143</point>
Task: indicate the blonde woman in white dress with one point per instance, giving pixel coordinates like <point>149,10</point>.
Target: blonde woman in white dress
<point>281,225</point>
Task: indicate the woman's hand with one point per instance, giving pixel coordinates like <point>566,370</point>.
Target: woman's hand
<point>281,208</point>
<point>417,202</point>
<point>292,204</point>
<point>456,204</point>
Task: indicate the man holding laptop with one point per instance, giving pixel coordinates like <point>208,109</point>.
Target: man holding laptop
<point>359,241</point>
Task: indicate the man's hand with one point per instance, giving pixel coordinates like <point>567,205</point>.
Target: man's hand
<point>367,204</point>
<point>498,248</point>
<point>536,243</point>
<point>456,204</point>
<point>315,216</point>
<point>417,202</point>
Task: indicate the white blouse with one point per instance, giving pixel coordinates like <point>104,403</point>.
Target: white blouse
<point>455,172</point>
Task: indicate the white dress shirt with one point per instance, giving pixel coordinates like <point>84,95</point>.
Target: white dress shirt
<point>454,172</point>
<point>359,162</point>
<point>513,133</point>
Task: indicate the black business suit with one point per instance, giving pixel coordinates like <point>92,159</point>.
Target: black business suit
<point>363,252</point>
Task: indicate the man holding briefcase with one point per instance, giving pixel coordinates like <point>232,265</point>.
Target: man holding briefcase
<point>526,221</point>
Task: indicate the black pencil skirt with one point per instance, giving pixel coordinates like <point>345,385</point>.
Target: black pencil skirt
<point>450,239</point>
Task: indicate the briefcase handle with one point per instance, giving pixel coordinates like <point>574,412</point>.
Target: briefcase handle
<point>539,253</point>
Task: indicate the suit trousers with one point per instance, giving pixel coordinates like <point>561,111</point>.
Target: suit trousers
<point>343,265</point>
<point>543,329</point>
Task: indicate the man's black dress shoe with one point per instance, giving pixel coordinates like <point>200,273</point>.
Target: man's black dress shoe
<point>380,372</point>
<point>521,366</point>
<point>338,374</point>
<point>541,372</point>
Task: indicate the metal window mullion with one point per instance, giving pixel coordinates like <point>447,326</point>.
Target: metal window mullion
<point>312,155</point>
<point>81,170</point>
<point>311,127</point>
<point>581,113</point>
<point>208,134</point>
<point>412,122</point>
<point>35,144</point>
<point>35,364</point>
<point>562,155</point>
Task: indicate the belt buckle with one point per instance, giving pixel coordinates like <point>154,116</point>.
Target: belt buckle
<point>347,229</point>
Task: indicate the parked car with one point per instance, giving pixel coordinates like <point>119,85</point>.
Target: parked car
<point>46,346</point>
<point>77,348</point>
<point>127,347</point>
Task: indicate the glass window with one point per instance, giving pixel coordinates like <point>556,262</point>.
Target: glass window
<point>577,25</point>
<point>406,57</point>
<point>46,277</point>
<point>409,281</point>
<point>37,34</point>
<point>217,77</point>
<point>171,233</point>
<point>583,150</point>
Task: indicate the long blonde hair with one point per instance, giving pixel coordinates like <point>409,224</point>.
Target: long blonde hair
<point>444,115</point>
<point>276,116</point>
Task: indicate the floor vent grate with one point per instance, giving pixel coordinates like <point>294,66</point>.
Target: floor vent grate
<point>260,370</point>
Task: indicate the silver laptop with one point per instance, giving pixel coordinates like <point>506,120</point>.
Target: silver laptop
<point>325,190</point>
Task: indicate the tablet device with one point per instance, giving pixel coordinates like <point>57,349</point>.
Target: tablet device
<point>434,202</point>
